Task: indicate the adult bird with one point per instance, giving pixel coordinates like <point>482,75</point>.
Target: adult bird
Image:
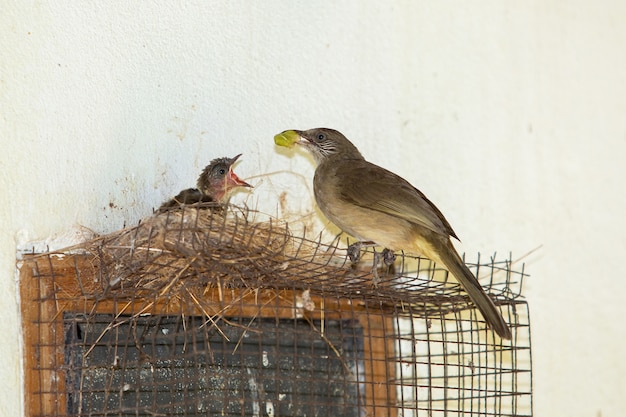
<point>374,204</point>
<point>213,185</point>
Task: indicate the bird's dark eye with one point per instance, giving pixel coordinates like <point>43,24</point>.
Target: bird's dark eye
<point>222,171</point>
<point>320,137</point>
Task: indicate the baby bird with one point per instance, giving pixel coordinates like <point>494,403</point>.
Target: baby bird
<point>214,185</point>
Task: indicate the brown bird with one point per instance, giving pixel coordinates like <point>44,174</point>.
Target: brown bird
<point>214,184</point>
<point>375,205</point>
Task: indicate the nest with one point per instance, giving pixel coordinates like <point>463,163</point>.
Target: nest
<point>195,246</point>
<point>193,249</point>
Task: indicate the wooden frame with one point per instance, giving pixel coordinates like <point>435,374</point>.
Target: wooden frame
<point>51,285</point>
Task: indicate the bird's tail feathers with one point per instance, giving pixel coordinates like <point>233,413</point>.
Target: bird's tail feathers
<point>453,262</point>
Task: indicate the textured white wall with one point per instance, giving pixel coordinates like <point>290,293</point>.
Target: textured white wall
<point>511,116</point>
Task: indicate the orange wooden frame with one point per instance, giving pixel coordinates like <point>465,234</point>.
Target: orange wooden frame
<point>51,285</point>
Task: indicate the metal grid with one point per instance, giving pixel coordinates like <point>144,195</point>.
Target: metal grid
<point>212,311</point>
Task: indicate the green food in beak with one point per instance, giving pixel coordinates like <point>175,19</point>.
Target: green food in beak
<point>287,138</point>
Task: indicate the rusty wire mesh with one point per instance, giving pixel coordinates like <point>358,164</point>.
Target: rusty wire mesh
<point>212,311</point>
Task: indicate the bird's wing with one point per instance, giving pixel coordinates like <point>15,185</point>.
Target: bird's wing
<point>376,188</point>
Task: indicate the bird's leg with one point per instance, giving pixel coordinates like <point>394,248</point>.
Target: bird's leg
<point>376,278</point>
<point>389,257</point>
<point>354,252</point>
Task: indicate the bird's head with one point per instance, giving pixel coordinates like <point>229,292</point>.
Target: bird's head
<point>323,143</point>
<point>218,178</point>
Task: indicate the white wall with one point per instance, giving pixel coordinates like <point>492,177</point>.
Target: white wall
<point>511,116</point>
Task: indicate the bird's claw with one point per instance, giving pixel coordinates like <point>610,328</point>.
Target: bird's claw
<point>389,257</point>
<point>354,252</point>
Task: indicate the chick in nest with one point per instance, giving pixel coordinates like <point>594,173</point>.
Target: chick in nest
<point>214,185</point>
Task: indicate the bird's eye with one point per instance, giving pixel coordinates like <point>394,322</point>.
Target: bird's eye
<point>222,171</point>
<point>320,137</point>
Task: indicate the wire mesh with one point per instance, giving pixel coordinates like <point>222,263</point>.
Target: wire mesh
<point>207,311</point>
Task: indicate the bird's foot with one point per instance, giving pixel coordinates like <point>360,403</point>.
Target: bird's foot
<point>354,252</point>
<point>389,257</point>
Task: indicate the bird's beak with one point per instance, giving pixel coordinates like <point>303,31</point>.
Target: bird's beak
<point>232,180</point>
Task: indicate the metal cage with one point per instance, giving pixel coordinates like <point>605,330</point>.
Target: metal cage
<point>209,311</point>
